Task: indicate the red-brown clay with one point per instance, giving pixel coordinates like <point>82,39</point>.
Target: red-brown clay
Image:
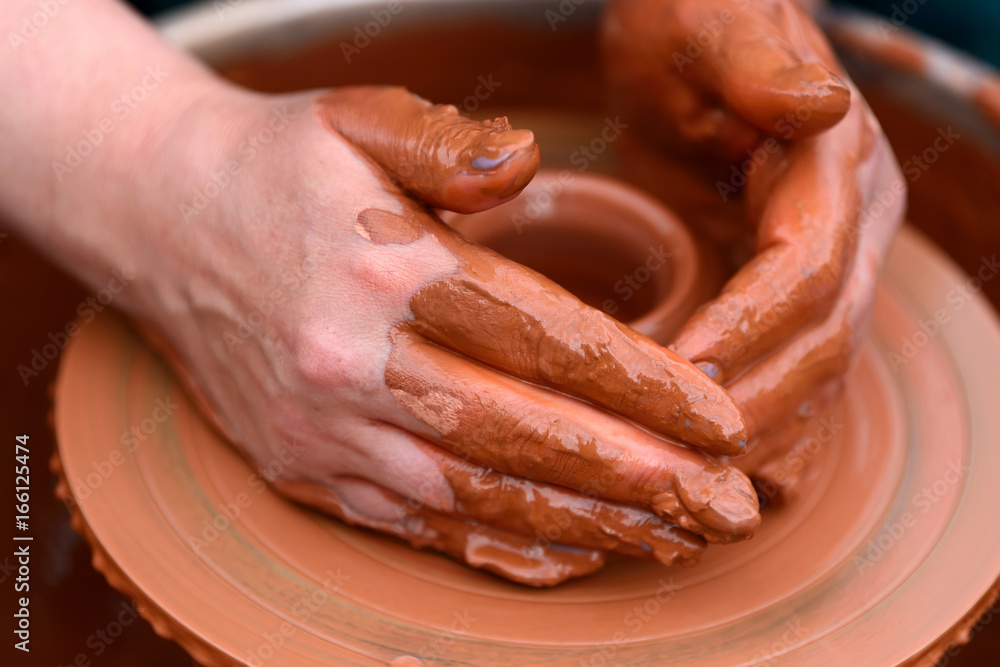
<point>567,442</point>
<point>514,320</point>
<point>353,596</point>
<point>511,555</point>
<point>614,247</point>
<point>464,165</point>
<point>498,313</point>
<point>551,513</point>
<point>518,524</point>
<point>382,227</point>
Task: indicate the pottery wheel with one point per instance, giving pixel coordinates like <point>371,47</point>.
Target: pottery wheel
<point>889,552</point>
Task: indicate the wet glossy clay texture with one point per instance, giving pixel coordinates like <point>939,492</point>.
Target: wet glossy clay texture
<point>363,599</point>
<point>613,246</point>
<point>768,93</point>
<point>514,409</point>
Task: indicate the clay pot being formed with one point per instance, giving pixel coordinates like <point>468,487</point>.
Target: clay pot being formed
<point>616,248</point>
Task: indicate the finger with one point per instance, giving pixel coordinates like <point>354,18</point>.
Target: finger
<point>548,513</point>
<point>443,158</point>
<point>780,459</point>
<point>805,242</point>
<point>426,475</point>
<point>764,68</point>
<point>519,321</point>
<point>362,503</point>
<point>516,428</point>
<point>814,362</point>
<point>821,354</point>
<point>764,460</point>
<point>650,54</point>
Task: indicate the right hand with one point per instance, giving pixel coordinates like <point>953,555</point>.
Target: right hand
<point>433,388</point>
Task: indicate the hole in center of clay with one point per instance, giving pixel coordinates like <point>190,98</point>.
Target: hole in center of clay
<point>607,271</point>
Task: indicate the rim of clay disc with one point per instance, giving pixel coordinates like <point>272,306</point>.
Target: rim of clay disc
<point>620,224</point>
<point>914,598</point>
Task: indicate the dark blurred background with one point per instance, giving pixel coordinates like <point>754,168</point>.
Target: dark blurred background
<point>970,24</point>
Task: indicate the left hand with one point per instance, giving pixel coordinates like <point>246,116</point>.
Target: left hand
<point>738,78</point>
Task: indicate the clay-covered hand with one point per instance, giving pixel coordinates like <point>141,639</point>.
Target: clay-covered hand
<point>754,85</point>
<point>408,380</point>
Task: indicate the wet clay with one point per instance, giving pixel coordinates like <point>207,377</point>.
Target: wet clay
<point>444,159</point>
<point>519,527</point>
<point>515,321</point>
<point>567,442</point>
<point>360,597</point>
<point>526,507</point>
<point>382,227</point>
<point>510,555</point>
<point>614,247</point>
<point>505,315</point>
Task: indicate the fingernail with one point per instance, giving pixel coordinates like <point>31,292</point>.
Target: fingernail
<point>483,163</point>
<point>721,499</point>
<point>708,368</point>
<point>566,549</point>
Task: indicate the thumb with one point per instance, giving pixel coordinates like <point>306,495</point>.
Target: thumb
<point>441,157</point>
<point>765,81</point>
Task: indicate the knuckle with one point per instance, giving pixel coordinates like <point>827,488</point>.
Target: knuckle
<point>328,360</point>
<point>375,271</point>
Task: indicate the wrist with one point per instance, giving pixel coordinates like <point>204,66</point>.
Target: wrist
<point>178,213</point>
<point>104,212</point>
<point>199,219</point>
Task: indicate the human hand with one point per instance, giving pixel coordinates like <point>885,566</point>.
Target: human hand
<point>430,387</point>
<point>755,85</point>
